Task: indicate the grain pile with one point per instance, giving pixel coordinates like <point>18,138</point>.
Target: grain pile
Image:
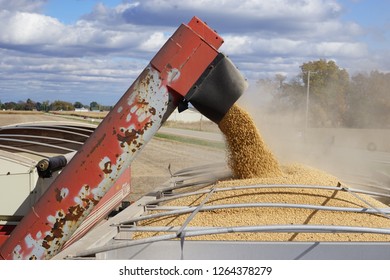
<point>253,164</point>
<point>248,156</point>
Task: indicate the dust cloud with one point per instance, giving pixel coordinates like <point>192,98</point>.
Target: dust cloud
<point>360,158</point>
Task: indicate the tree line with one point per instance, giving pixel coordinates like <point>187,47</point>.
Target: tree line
<point>325,95</point>
<point>45,106</point>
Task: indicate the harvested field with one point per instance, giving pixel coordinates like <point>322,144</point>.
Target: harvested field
<point>17,117</point>
<point>95,115</point>
<point>21,112</point>
<point>204,125</point>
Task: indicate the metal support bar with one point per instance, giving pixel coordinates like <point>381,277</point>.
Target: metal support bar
<point>381,212</point>
<point>256,205</point>
<point>260,186</point>
<point>197,209</point>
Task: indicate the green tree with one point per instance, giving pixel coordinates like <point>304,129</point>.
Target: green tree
<point>328,88</point>
<point>369,100</point>
<point>94,106</point>
<point>78,105</point>
<point>10,105</point>
<point>288,100</point>
<point>38,106</point>
<point>29,105</point>
<point>20,105</point>
<point>46,106</point>
<point>59,105</point>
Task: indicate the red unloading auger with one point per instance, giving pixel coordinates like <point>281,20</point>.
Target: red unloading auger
<point>188,68</point>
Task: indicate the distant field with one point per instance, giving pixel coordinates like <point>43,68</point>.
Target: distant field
<point>95,115</point>
<point>18,117</point>
<point>199,125</point>
<point>21,112</point>
<point>10,117</point>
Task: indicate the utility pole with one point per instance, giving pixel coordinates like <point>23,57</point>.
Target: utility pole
<point>307,102</point>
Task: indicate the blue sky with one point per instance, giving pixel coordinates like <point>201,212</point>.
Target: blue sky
<point>92,50</point>
<point>367,13</point>
<point>69,11</point>
<point>373,17</point>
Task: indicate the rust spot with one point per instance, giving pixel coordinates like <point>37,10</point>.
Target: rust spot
<point>58,195</point>
<point>128,137</point>
<point>57,233</point>
<point>148,125</point>
<point>107,167</point>
<point>147,80</point>
<point>74,213</point>
<point>152,110</point>
<point>45,244</point>
<point>143,102</point>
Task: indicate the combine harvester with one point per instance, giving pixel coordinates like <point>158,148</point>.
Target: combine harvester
<point>61,221</point>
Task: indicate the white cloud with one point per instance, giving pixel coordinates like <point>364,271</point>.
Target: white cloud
<point>22,5</point>
<point>71,79</point>
<point>340,49</point>
<point>46,35</point>
<point>248,9</point>
<point>29,28</point>
<point>237,45</point>
<point>109,47</point>
<point>106,15</point>
<point>154,42</point>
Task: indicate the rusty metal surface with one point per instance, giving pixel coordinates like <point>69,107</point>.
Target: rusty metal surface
<point>109,150</point>
<point>111,200</point>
